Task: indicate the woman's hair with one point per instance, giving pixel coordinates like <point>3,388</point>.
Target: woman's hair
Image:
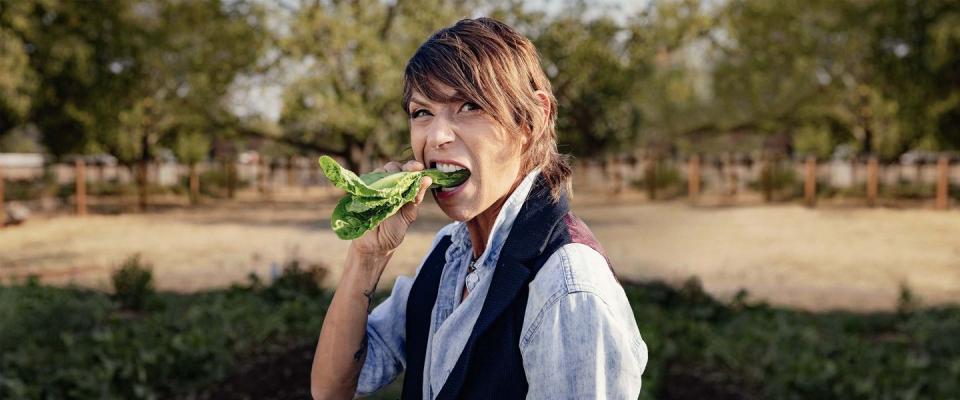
<point>491,64</point>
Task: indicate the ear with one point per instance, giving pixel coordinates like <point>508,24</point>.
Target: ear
<point>544,100</point>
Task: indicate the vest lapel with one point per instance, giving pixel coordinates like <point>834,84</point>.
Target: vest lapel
<point>531,231</point>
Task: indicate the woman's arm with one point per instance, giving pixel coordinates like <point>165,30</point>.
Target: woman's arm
<point>342,347</point>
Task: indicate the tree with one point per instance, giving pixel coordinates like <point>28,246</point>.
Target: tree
<point>352,54</point>
<point>191,148</point>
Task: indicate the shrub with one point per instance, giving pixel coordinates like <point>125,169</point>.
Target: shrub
<point>296,281</point>
<point>133,283</point>
<point>667,181</point>
<point>780,179</point>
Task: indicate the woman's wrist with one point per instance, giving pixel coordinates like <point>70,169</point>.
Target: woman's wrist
<point>368,259</point>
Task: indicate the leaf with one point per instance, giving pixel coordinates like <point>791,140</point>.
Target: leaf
<point>373,197</point>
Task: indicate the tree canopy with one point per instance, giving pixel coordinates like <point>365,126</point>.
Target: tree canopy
<point>880,75</point>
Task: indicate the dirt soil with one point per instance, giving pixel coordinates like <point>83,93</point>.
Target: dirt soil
<point>823,258</point>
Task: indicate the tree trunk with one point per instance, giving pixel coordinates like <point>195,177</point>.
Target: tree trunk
<point>650,177</point>
<point>142,166</point>
<point>943,182</point>
<point>194,185</point>
<point>867,141</point>
<point>80,177</point>
<point>231,178</point>
<point>291,178</point>
<point>141,178</point>
<point>3,211</point>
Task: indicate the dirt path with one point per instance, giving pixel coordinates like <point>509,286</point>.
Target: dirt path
<point>785,254</point>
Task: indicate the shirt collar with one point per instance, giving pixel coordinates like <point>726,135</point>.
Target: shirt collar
<point>460,239</point>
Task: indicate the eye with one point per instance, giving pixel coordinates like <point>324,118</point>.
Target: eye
<point>418,112</point>
<point>468,106</point>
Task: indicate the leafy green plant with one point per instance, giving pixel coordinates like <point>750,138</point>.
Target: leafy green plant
<point>296,280</point>
<point>133,283</point>
<point>71,343</point>
<point>373,197</point>
<point>663,181</point>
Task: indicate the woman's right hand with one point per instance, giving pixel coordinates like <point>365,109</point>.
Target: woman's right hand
<point>388,235</point>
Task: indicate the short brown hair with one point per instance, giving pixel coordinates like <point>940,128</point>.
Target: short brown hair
<point>491,64</point>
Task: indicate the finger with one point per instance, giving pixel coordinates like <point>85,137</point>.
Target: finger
<point>409,212</point>
<point>392,166</point>
<point>424,186</point>
<point>412,165</point>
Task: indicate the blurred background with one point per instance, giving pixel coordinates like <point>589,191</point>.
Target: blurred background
<point>776,184</point>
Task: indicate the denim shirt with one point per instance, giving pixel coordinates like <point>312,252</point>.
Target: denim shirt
<point>580,338</point>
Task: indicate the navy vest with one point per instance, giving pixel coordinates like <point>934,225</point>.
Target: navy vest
<point>490,366</point>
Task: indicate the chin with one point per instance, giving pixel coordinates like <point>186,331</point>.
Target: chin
<point>457,214</point>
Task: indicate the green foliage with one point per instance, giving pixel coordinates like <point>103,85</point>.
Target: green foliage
<point>133,283</point>
<point>119,78</point>
<point>73,343</point>
<point>372,198</point>
<point>191,147</point>
<point>664,179</point>
<point>216,182</point>
<point>356,51</point>
<point>765,352</point>
<point>815,140</point>
<point>295,281</point>
<point>905,189</point>
<point>780,179</point>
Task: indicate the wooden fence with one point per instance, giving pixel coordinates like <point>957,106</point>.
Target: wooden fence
<point>724,176</point>
<point>727,177</point>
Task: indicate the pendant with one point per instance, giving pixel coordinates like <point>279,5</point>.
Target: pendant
<point>471,280</point>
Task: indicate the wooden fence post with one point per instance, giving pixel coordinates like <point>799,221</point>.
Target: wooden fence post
<point>81,182</point>
<point>3,212</point>
<point>291,179</point>
<point>650,176</point>
<point>810,181</point>
<point>943,182</point>
<point>767,165</point>
<point>872,172</point>
<point>693,178</point>
<point>262,175</point>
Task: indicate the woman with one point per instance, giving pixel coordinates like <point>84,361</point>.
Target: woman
<point>515,298</point>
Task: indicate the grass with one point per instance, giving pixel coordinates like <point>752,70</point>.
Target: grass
<point>256,341</point>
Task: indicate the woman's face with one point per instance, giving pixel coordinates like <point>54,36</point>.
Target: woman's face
<point>461,135</point>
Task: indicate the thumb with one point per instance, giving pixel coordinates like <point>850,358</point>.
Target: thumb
<point>410,210</point>
<point>424,186</point>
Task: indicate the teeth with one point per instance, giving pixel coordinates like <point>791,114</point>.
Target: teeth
<point>448,167</point>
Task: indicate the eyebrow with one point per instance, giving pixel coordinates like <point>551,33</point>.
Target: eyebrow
<point>457,96</point>
<point>417,100</point>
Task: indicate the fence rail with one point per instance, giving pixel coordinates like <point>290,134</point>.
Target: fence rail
<point>691,177</point>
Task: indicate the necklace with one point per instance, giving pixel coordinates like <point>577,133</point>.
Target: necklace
<point>472,278</point>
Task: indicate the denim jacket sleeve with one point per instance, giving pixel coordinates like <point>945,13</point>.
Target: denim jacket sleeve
<point>580,338</point>
<point>386,334</point>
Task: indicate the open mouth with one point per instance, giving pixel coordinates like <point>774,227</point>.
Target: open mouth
<point>450,188</point>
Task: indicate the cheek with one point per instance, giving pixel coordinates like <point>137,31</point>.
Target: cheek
<point>417,141</point>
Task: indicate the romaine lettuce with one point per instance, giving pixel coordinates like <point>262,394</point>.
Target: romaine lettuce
<point>373,197</point>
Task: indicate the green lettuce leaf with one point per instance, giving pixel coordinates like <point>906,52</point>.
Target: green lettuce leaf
<point>372,198</point>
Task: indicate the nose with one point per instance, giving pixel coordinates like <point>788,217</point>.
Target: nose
<point>439,133</point>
